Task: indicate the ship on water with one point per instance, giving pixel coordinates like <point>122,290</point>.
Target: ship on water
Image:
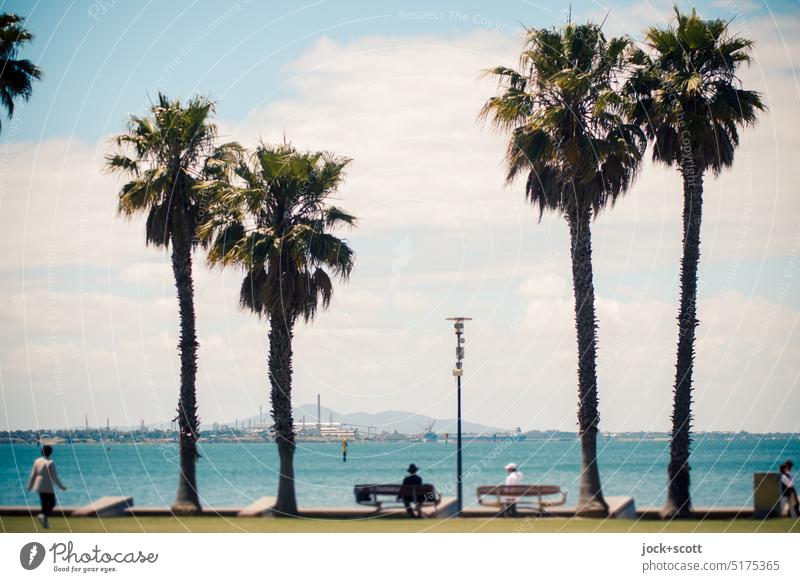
<point>515,435</point>
<point>427,435</point>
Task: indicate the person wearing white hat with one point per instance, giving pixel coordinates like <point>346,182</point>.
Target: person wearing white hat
<point>513,477</point>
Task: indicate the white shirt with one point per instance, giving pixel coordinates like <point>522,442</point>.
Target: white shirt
<point>786,481</point>
<point>43,476</point>
<point>513,478</point>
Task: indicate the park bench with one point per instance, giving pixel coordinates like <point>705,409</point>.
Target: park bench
<point>379,495</point>
<point>536,497</point>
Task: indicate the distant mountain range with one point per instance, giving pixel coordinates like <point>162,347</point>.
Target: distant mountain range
<point>389,421</point>
<point>410,423</point>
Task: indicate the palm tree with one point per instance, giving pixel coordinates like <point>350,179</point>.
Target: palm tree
<point>688,100</point>
<point>564,113</point>
<point>277,227</point>
<point>16,75</point>
<point>164,155</point>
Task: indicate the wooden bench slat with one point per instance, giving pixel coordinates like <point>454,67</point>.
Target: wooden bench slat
<point>519,490</point>
<point>521,495</point>
<point>369,494</point>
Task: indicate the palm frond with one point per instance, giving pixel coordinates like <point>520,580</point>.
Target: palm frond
<point>172,162</point>
<point>271,217</point>
<point>562,112</point>
<point>335,216</point>
<point>685,85</point>
<point>16,75</point>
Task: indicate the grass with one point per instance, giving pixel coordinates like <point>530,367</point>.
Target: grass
<point>211,524</point>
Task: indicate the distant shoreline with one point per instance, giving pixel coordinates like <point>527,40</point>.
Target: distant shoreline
<point>107,437</point>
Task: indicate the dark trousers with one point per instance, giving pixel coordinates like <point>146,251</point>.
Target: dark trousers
<point>790,494</point>
<point>48,503</point>
<point>510,509</point>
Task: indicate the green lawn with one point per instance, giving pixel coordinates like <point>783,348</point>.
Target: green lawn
<point>240,524</point>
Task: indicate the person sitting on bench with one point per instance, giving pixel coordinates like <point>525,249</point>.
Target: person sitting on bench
<point>412,503</point>
<point>514,477</point>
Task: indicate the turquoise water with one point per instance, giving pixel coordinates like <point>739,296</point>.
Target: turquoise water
<point>234,474</point>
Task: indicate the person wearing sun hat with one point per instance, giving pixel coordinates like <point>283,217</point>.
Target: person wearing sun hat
<point>513,477</point>
<point>412,505</point>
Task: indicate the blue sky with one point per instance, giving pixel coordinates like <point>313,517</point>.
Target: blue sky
<point>103,57</point>
<point>88,312</point>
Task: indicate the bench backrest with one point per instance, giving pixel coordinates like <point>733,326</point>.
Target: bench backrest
<point>425,491</point>
<point>519,490</point>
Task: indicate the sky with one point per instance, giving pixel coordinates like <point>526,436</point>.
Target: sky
<point>88,313</point>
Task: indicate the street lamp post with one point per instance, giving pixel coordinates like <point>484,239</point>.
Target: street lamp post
<point>458,325</point>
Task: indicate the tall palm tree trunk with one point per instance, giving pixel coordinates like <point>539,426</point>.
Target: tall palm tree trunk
<point>590,500</point>
<point>187,499</point>
<point>679,502</point>
<point>280,378</point>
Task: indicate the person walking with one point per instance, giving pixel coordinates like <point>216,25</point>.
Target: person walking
<point>412,502</point>
<point>788,490</point>
<point>513,477</point>
<point>42,478</point>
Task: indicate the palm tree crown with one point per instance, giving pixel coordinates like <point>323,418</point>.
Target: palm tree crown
<point>687,95</point>
<point>165,155</point>
<point>277,228</point>
<point>16,75</point>
<point>566,119</point>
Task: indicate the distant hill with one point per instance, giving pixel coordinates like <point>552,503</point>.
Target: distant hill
<point>390,420</point>
<point>401,421</point>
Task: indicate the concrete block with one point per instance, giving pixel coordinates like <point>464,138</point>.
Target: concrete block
<point>259,508</point>
<point>105,507</point>
<point>766,495</point>
<point>621,507</point>
<point>447,507</point>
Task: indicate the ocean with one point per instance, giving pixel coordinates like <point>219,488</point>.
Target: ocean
<point>235,474</point>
